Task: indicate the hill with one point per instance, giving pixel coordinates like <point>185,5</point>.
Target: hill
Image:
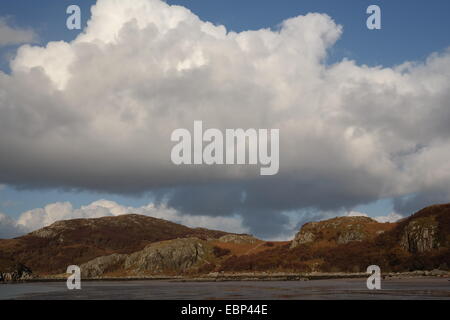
<point>134,245</point>
<point>52,249</point>
<point>340,230</point>
<point>350,244</point>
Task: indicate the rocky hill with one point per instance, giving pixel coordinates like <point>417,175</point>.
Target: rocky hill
<point>340,230</point>
<point>350,244</point>
<point>52,249</point>
<point>138,246</point>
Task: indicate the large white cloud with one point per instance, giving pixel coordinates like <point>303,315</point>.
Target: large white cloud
<point>98,113</point>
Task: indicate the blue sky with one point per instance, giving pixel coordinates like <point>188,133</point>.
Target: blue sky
<point>411,30</point>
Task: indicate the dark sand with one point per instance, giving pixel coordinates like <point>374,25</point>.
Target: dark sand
<point>414,288</point>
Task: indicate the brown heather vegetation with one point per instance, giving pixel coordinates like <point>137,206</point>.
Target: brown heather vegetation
<point>52,249</point>
<point>242,249</point>
<point>352,257</point>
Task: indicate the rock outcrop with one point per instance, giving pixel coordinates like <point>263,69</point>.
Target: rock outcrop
<point>179,256</point>
<point>19,273</point>
<point>166,257</point>
<point>420,235</point>
<point>238,239</point>
<point>101,265</point>
<point>304,236</point>
<point>339,230</point>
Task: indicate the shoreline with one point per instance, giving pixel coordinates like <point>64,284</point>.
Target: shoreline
<point>247,277</point>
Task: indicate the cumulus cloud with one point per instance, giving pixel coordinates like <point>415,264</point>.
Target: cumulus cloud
<point>391,218</point>
<point>41,217</point>
<point>99,112</point>
<point>357,214</point>
<point>12,36</point>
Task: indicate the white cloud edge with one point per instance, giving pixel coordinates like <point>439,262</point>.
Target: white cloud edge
<point>390,218</point>
<point>10,35</point>
<point>35,219</point>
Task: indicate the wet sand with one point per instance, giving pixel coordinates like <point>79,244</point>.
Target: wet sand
<point>346,289</point>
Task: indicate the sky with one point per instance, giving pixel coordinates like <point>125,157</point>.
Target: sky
<point>60,143</point>
<point>412,29</point>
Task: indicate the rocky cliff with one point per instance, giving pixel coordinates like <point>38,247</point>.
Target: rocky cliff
<point>426,230</point>
<point>420,235</point>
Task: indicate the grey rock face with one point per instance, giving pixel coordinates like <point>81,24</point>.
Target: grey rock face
<point>351,235</point>
<point>303,237</point>
<point>97,267</point>
<point>420,235</point>
<point>53,230</point>
<point>173,256</point>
